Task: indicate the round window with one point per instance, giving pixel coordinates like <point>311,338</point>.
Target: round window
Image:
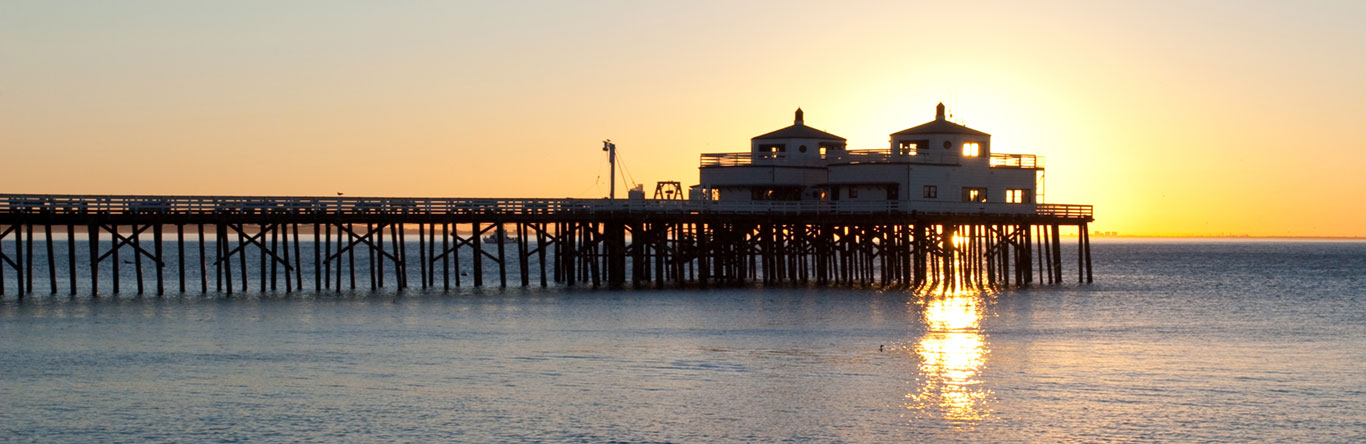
<point>802,148</point>
<point>948,145</point>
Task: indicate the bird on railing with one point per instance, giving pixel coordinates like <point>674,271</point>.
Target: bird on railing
<point>339,193</point>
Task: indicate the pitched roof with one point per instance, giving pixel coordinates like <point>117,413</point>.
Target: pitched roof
<point>798,130</point>
<point>940,125</point>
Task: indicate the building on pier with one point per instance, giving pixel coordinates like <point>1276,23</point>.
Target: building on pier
<point>936,166</point>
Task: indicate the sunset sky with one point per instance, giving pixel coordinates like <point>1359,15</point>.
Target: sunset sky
<point>1172,118</point>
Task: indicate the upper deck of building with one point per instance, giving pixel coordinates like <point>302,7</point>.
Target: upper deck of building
<point>854,157</point>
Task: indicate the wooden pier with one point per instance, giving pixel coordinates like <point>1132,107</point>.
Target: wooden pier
<point>272,244</point>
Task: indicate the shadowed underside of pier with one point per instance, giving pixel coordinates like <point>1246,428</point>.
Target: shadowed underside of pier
<point>293,244</point>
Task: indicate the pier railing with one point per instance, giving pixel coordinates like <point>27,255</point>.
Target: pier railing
<point>240,205</point>
<point>1064,210</point>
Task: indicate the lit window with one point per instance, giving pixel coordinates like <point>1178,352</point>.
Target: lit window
<point>972,149</point>
<point>909,147</point>
<point>977,195</point>
<point>931,192</point>
<point>1017,195</point>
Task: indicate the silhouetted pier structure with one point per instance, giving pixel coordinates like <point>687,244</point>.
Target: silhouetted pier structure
<point>569,241</point>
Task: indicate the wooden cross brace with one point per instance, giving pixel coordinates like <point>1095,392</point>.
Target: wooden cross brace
<point>259,240</point>
<point>120,240</point>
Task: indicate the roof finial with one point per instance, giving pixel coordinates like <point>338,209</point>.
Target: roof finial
<point>939,111</point>
<point>798,119</point>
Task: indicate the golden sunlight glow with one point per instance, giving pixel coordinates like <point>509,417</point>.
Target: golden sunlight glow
<point>471,118</point>
<point>952,354</point>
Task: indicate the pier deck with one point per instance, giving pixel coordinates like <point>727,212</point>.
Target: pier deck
<point>588,241</point>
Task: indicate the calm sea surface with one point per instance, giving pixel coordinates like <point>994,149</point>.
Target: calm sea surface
<point>1177,341</point>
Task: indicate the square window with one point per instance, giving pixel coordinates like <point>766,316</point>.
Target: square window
<point>931,191</point>
<point>972,149</point>
<point>911,147</point>
<point>975,195</point>
<point>853,192</point>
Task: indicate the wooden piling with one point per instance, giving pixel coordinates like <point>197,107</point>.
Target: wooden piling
<point>284,258</point>
<point>446,257</point>
<point>455,252</point>
<point>180,255</point>
<point>242,253</point>
<point>375,281</point>
<point>93,232</point>
<point>160,259</point>
<point>501,234</point>
<point>19,260</point>
<point>203,269</point>
<point>477,255</point>
<point>137,256</point>
<point>28,270</point>
<point>593,239</point>
<point>3,263</point>
<point>350,259</point>
<point>540,250</point>
<point>219,260</point>
<point>224,259</point>
<point>1087,234</point>
<point>70,257</point>
<point>1037,233</point>
<point>115,244</point>
<point>298,261</point>
<point>400,255</point>
<point>522,255</point>
<point>567,244</point>
<point>262,251</point>
<point>431,257</point>
<point>1081,255</point>
<point>51,258</point>
<point>318,257</point>
<point>422,253</point>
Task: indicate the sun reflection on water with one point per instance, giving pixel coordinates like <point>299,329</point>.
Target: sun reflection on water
<point>952,354</point>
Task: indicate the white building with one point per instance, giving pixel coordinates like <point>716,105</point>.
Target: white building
<point>937,166</point>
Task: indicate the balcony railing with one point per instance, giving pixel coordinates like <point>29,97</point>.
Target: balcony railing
<point>1003,160</point>
<point>882,155</point>
<point>859,156</point>
<point>727,159</point>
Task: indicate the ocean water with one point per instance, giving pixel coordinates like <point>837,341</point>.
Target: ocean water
<point>1177,341</point>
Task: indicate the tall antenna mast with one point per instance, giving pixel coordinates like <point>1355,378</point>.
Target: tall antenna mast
<point>611,149</point>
